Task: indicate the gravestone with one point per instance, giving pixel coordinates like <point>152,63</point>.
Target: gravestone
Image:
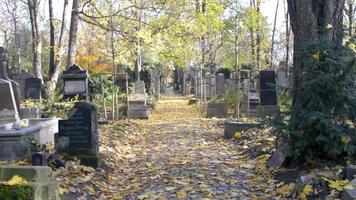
<point>9,103</point>
<point>78,136</point>
<point>120,81</point>
<point>207,85</point>
<point>20,79</point>
<point>138,108</point>
<point>268,94</point>
<point>40,159</point>
<point>157,86</point>
<point>213,86</point>
<point>140,87</point>
<point>33,87</point>
<point>76,83</point>
<point>245,74</point>
<point>220,84</point>
<point>233,80</point>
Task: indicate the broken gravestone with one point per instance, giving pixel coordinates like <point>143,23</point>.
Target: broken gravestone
<point>278,158</point>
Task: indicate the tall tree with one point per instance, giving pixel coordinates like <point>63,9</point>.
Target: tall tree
<point>311,20</point>
<point>13,10</point>
<point>56,60</point>
<point>33,6</point>
<point>72,45</point>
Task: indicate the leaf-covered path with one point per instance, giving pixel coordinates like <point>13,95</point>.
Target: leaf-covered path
<point>176,154</point>
<point>180,155</point>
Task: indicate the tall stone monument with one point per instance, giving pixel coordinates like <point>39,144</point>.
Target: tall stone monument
<point>9,103</point>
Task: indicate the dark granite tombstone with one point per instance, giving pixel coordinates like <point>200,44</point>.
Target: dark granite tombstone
<point>80,132</point>
<point>40,159</point>
<point>33,87</point>
<point>76,83</point>
<point>268,94</point>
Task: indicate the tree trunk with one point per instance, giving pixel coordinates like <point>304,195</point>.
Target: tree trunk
<point>33,6</point>
<point>12,9</point>
<point>287,36</point>
<point>258,35</point>
<point>55,60</point>
<point>350,15</point>
<point>72,46</point>
<point>308,18</point>
<point>273,33</point>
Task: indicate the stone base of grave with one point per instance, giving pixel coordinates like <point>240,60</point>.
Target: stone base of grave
<point>350,194</point>
<point>218,110</point>
<point>193,101</point>
<point>263,111</point>
<point>37,176</point>
<point>138,108</point>
<point>87,157</point>
<point>233,126</point>
<point>7,117</point>
<point>30,113</point>
<point>14,147</point>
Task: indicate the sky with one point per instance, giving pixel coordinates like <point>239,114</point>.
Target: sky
<point>268,9</point>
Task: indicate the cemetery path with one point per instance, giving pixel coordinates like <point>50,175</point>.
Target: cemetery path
<point>181,155</point>
<point>176,154</point>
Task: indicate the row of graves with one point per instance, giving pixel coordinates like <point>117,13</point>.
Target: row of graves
<point>257,98</point>
<point>77,137</point>
<point>20,128</point>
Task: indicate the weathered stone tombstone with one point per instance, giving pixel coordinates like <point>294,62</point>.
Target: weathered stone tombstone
<point>40,159</point>
<point>76,83</point>
<point>220,85</point>
<point>138,108</point>
<point>20,79</point>
<point>207,87</point>
<point>268,95</point>
<point>157,86</point>
<point>233,81</point>
<point>140,87</point>
<point>33,87</point>
<point>213,86</point>
<point>9,103</point>
<point>233,126</point>
<point>78,136</point>
<point>217,110</point>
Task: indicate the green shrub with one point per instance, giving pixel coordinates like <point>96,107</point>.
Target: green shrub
<point>325,125</point>
<point>16,192</point>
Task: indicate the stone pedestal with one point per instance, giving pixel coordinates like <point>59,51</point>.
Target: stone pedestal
<point>30,113</point>
<point>212,87</point>
<point>218,110</point>
<point>140,87</point>
<point>220,84</point>
<point>233,126</point>
<point>138,108</point>
<point>263,111</point>
<point>207,89</point>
